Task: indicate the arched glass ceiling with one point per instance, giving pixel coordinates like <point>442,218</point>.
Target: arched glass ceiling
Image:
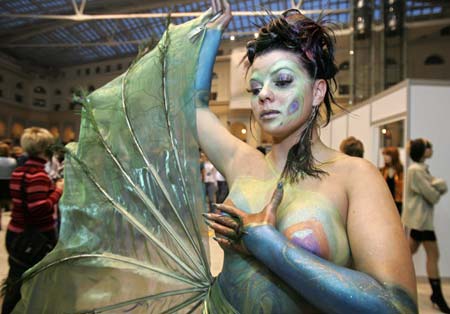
<point>25,35</point>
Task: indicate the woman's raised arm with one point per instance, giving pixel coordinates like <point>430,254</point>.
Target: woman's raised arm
<point>221,147</point>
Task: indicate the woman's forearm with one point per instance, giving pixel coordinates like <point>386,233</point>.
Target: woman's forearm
<point>331,288</point>
<point>205,66</point>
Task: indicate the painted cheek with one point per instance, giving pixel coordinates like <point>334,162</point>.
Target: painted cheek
<point>293,111</point>
<point>293,107</point>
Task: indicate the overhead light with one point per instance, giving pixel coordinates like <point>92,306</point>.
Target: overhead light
<point>232,37</point>
<point>351,52</point>
<point>383,131</point>
<point>244,131</point>
<point>256,35</point>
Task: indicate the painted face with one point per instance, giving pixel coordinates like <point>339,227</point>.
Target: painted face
<point>281,93</point>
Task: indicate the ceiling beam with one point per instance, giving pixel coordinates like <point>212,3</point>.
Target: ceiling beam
<point>107,7</point>
<point>89,17</point>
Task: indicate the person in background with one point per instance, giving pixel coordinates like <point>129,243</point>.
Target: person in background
<point>7,165</point>
<point>392,172</point>
<point>422,192</point>
<point>352,146</point>
<point>34,192</point>
<point>7,141</point>
<point>222,188</point>
<point>55,166</point>
<point>20,156</point>
<point>209,178</point>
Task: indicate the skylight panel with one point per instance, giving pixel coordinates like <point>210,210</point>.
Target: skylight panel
<point>122,36</point>
<point>66,36</point>
<point>124,49</point>
<point>238,23</point>
<point>437,9</point>
<point>106,51</point>
<point>9,23</point>
<point>195,7</point>
<point>245,22</point>
<point>53,4</point>
<point>91,34</point>
<point>25,7</point>
<point>87,53</point>
<point>146,32</point>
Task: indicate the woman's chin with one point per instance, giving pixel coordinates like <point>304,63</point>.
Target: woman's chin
<point>276,131</point>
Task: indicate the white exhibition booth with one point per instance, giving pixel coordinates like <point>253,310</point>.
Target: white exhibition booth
<point>424,108</point>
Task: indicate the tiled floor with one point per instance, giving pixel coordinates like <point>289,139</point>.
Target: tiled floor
<point>423,288</point>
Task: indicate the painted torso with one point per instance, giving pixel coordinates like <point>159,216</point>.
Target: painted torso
<point>308,219</point>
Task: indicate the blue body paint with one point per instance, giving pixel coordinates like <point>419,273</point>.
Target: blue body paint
<point>331,288</point>
<point>207,58</point>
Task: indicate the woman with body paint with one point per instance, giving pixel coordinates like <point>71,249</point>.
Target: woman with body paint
<point>305,229</point>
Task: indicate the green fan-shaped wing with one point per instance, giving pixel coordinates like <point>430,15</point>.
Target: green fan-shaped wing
<point>131,237</point>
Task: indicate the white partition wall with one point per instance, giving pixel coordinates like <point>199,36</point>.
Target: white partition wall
<point>429,117</point>
<point>338,131</point>
<point>390,104</point>
<point>360,127</point>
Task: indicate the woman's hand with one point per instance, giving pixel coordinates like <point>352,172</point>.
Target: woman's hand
<point>229,223</point>
<point>221,13</point>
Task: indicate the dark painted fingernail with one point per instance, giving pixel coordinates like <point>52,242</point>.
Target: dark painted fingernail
<point>215,239</point>
<point>280,185</point>
<point>244,232</point>
<point>207,222</point>
<point>206,215</point>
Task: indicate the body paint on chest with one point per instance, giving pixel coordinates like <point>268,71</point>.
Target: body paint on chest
<point>311,236</point>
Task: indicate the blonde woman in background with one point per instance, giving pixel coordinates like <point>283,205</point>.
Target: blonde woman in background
<point>34,197</point>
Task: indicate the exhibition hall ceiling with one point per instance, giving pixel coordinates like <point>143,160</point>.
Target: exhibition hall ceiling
<point>58,33</point>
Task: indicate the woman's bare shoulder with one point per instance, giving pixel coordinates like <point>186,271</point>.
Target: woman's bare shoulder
<point>355,166</point>
<point>354,171</point>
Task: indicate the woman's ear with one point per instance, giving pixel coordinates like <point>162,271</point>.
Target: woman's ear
<point>319,91</point>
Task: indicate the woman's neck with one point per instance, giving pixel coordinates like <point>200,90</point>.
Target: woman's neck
<point>280,149</point>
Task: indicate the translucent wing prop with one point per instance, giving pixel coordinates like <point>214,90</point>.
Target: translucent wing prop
<point>132,238</point>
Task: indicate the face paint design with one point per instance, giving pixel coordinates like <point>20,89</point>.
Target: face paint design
<point>279,86</point>
<point>293,107</point>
